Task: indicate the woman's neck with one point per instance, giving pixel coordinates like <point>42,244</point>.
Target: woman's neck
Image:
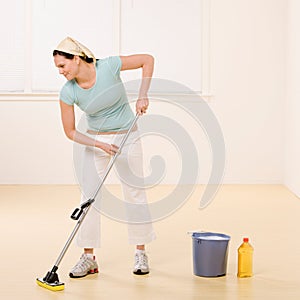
<point>87,76</point>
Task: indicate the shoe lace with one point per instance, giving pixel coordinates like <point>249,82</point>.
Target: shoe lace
<point>141,259</point>
<point>83,263</point>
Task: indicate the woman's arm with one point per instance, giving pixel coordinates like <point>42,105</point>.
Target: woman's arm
<point>146,62</point>
<point>68,121</point>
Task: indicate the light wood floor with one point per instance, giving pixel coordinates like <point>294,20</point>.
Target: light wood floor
<point>35,224</point>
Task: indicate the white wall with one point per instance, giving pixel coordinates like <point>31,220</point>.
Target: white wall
<point>292,141</point>
<point>33,148</point>
<point>247,77</point>
<point>248,74</point>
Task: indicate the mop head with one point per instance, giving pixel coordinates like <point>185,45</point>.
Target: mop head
<point>56,286</point>
<point>51,281</point>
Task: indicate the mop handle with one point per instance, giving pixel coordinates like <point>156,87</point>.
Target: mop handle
<point>80,213</point>
<point>116,155</point>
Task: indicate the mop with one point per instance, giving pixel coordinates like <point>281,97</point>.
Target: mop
<point>51,280</point>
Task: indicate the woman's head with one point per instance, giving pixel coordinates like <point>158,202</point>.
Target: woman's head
<point>71,46</point>
<point>68,55</point>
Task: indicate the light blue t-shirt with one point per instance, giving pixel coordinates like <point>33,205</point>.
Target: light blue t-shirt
<point>105,103</point>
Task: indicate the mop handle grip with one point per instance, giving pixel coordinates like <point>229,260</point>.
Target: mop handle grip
<point>78,211</point>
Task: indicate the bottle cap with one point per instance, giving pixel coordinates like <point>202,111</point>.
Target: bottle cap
<point>246,240</point>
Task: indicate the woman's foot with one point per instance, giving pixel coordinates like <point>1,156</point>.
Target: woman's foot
<point>85,266</point>
<point>141,266</point>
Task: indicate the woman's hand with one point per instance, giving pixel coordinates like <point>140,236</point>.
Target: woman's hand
<point>142,105</point>
<point>110,149</point>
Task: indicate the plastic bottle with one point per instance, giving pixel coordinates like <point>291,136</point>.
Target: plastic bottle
<point>245,259</point>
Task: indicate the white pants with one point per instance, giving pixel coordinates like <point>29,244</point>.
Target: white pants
<point>128,164</point>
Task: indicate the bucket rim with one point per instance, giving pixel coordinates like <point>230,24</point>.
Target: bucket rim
<point>202,235</point>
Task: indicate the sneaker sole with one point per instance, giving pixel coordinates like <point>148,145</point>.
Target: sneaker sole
<point>90,272</point>
<point>139,272</point>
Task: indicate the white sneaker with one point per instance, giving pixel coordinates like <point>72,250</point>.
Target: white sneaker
<point>85,266</point>
<point>141,266</point>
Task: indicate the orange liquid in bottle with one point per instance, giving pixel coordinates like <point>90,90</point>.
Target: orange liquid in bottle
<point>245,259</point>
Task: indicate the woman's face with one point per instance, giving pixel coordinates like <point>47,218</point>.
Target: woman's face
<point>67,67</point>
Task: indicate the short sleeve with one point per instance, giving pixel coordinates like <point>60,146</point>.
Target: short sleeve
<point>115,64</point>
<point>66,95</point>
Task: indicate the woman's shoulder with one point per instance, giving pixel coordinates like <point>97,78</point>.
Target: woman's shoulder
<point>108,60</point>
<point>69,84</point>
<point>67,92</point>
<point>68,87</point>
<point>113,63</point>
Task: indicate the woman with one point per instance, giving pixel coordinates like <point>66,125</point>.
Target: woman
<point>95,86</point>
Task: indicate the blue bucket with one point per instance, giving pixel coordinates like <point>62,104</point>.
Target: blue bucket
<point>210,252</point>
